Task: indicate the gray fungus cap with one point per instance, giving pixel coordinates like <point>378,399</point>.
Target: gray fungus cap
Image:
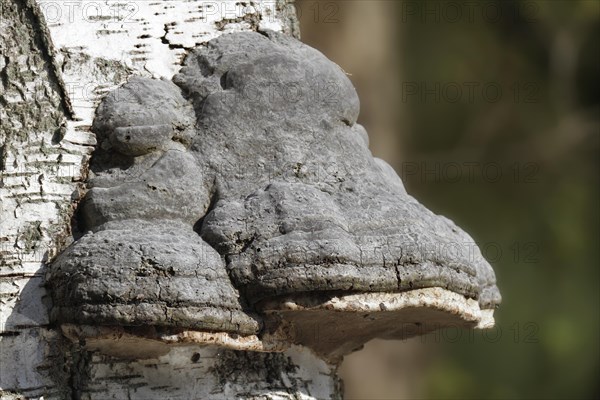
<point>246,180</point>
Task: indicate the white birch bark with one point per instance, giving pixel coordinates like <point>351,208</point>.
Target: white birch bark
<point>58,58</point>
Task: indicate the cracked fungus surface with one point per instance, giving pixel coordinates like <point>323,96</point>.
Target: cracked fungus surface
<point>246,178</point>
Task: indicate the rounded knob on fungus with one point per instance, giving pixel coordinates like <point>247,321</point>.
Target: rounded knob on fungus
<point>141,116</point>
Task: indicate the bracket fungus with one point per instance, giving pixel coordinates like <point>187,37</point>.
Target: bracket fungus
<point>239,205</point>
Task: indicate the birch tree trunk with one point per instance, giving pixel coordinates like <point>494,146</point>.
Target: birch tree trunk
<point>57,60</point>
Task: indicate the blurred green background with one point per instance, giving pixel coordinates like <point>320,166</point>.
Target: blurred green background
<point>490,112</point>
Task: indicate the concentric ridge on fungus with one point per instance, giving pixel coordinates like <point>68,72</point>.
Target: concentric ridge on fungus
<point>246,179</point>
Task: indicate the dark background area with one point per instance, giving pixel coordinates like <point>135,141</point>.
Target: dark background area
<point>490,113</point>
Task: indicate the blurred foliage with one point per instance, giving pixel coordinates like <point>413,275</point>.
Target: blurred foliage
<point>539,223</point>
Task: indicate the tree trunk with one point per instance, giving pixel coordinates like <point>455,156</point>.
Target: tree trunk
<point>58,59</point>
